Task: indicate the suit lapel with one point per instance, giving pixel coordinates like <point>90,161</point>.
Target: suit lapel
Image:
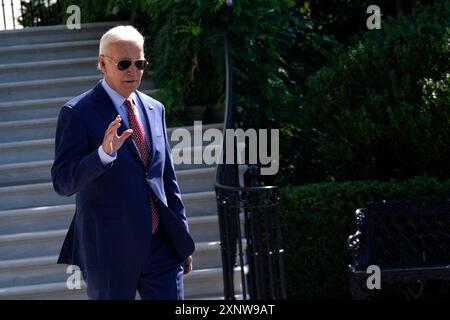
<point>105,107</point>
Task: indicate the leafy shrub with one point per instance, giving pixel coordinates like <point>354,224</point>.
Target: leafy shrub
<point>37,13</point>
<point>185,50</point>
<point>317,219</point>
<point>271,43</point>
<point>380,110</point>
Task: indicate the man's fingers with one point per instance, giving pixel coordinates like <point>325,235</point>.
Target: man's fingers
<point>112,130</point>
<point>125,135</point>
<point>114,123</point>
<point>189,265</point>
<point>110,137</point>
<point>113,126</point>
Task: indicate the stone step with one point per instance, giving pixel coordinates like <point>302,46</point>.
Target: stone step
<point>31,109</point>
<point>199,284</point>
<point>49,51</point>
<point>33,244</point>
<point>42,194</point>
<point>41,150</point>
<point>24,71</point>
<point>25,173</point>
<point>45,128</point>
<point>52,88</point>
<point>200,203</point>
<point>27,151</point>
<point>46,243</point>
<point>23,130</point>
<point>53,218</point>
<point>44,269</point>
<point>58,33</point>
<point>193,180</point>
<point>20,110</point>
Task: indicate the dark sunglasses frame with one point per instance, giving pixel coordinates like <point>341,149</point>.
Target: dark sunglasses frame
<point>125,64</point>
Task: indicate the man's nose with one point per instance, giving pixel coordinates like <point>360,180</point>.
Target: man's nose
<point>133,69</point>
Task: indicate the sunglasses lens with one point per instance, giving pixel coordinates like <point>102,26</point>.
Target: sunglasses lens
<point>140,64</point>
<point>124,64</point>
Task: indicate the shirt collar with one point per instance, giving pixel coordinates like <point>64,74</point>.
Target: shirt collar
<point>117,99</point>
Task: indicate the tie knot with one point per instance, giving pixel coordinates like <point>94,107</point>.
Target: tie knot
<point>129,103</point>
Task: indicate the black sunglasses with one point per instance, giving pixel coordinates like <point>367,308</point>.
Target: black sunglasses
<point>125,64</point>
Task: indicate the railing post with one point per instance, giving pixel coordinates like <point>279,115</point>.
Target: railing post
<point>3,11</point>
<point>252,237</point>
<point>232,199</point>
<point>261,263</point>
<point>227,174</point>
<point>226,243</point>
<point>49,10</point>
<point>59,11</point>
<point>13,17</point>
<point>31,13</point>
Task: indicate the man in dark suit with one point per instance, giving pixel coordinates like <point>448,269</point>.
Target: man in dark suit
<point>130,231</point>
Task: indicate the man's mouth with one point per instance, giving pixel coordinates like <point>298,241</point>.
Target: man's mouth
<point>130,81</point>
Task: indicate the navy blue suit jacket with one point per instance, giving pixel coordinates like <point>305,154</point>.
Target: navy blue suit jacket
<point>111,228</point>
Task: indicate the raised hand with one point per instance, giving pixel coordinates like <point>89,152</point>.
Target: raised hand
<point>111,141</point>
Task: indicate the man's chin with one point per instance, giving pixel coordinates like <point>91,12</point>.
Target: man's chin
<point>134,83</point>
<point>130,86</point>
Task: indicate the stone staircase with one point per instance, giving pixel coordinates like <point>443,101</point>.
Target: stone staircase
<point>42,68</point>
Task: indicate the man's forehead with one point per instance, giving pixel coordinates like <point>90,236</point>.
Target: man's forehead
<point>126,46</point>
<point>122,42</point>
<point>126,49</point>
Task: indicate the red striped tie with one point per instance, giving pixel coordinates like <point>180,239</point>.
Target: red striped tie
<point>141,144</point>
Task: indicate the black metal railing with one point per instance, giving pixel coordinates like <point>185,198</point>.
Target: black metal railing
<point>255,252</point>
<point>30,13</point>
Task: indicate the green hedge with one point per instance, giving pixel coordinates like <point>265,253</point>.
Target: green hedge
<point>380,109</point>
<point>317,220</point>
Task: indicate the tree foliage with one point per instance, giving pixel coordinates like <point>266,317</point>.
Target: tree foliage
<point>380,109</point>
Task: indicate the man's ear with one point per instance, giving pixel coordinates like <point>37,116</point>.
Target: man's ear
<point>101,65</point>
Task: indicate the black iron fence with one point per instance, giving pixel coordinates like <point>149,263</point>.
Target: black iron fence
<point>255,251</point>
<point>16,14</point>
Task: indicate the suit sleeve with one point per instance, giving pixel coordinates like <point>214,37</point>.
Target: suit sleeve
<point>171,188</point>
<point>75,164</point>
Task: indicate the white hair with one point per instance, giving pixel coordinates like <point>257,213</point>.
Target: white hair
<point>119,33</point>
<point>124,33</point>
